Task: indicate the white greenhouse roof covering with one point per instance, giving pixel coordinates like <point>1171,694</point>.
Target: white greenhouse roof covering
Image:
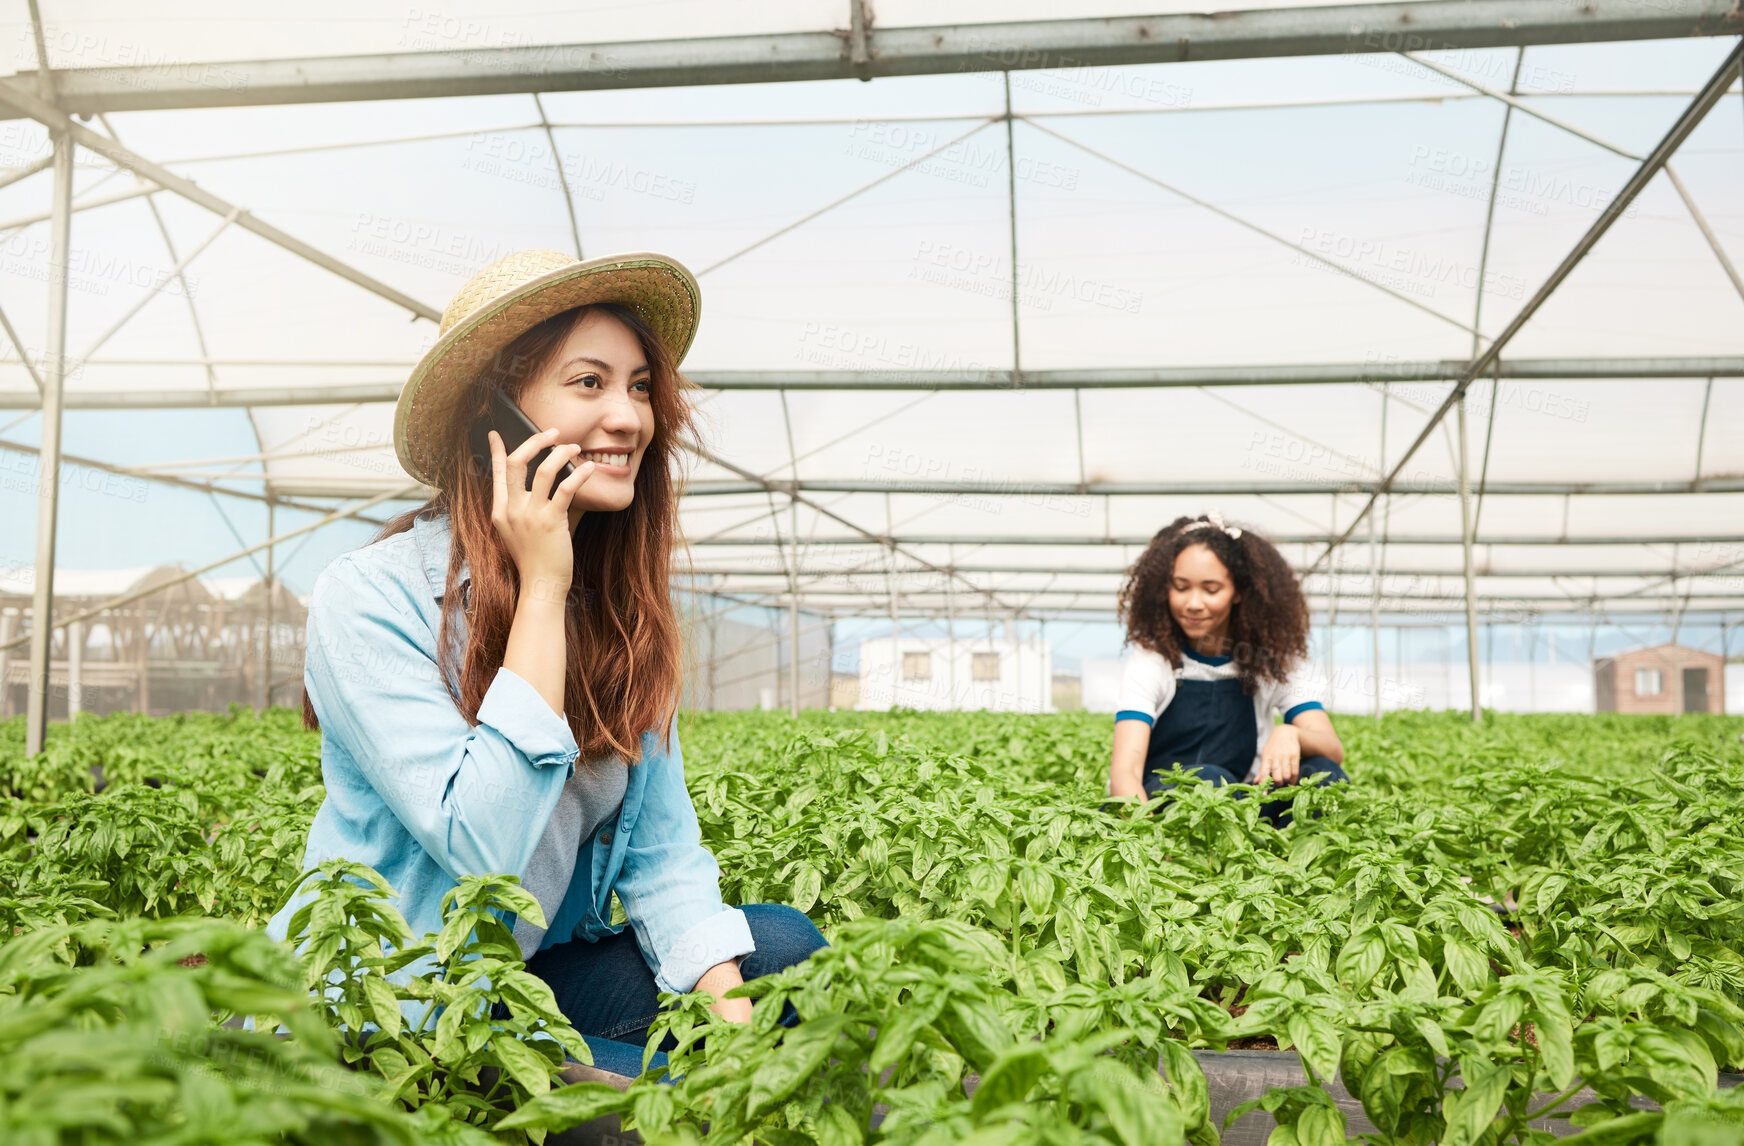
<point>969,359</point>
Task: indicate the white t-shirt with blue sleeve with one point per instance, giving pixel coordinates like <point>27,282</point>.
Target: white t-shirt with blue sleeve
<point>1148,685</point>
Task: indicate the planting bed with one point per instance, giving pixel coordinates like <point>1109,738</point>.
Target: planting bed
<point>988,918</point>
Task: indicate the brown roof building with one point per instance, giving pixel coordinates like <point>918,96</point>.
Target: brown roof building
<point>1666,679</point>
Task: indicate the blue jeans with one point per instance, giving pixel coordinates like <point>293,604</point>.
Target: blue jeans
<point>607,992</point>
<point>1277,811</point>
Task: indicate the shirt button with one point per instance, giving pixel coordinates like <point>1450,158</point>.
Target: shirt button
<point>605,837</point>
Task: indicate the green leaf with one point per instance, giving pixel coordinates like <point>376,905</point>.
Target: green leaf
<point>836,1127</point>
<point>1433,1035</point>
<point>1469,969</point>
<point>1469,1112</point>
<point>383,1007</point>
<point>1316,1040</point>
<point>1139,1115</point>
<point>1617,1131</point>
<point>804,1049</point>
<point>1546,894</point>
<point>896,1036</point>
<point>1320,1126</point>
<point>807,885</point>
<point>567,1106</point>
<point>1010,1078</point>
<point>1037,888</point>
<point>1187,1079</point>
<point>1361,958</point>
<point>525,1065</point>
<point>975,1029</point>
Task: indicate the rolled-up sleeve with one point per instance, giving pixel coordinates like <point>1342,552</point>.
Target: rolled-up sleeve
<point>476,798</point>
<point>514,708</point>
<point>670,884</point>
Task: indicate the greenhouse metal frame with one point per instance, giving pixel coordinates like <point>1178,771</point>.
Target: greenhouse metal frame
<point>861,560</point>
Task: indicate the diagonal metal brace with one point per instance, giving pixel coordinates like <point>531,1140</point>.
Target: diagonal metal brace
<point>1692,116</point>
<point>26,104</point>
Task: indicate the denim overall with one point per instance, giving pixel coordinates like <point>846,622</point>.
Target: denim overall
<point>1209,729</point>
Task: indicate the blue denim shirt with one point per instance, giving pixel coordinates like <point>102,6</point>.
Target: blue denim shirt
<point>423,797</point>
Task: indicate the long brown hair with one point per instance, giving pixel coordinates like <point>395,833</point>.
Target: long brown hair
<point>1268,627</point>
<point>623,633</point>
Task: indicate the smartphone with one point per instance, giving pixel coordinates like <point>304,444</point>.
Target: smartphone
<point>506,418</point>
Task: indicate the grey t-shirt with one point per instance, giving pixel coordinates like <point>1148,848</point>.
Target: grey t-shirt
<point>590,797</point>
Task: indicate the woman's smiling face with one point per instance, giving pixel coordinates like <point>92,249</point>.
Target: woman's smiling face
<point>1201,594</point>
<point>596,392</point>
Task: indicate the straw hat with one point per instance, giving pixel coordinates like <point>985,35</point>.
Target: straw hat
<point>505,300</point>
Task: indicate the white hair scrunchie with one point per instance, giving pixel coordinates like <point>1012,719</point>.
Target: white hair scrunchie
<point>1215,518</point>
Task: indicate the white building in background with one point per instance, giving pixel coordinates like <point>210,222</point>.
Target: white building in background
<point>1100,683</point>
<point>935,673</point>
<point>1506,686</point>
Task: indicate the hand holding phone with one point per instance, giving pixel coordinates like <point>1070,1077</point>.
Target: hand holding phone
<point>514,427</point>
<point>534,523</point>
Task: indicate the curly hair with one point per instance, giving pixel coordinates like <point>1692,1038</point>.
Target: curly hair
<point>1268,626</point>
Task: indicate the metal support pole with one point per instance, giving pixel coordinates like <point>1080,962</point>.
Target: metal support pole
<point>1375,565</point>
<point>1332,621</point>
<point>75,669</point>
<point>714,645</point>
<point>266,669</point>
<point>1011,217</point>
<point>5,664</point>
<point>792,566</point>
<point>1531,665</point>
<point>830,663</point>
<point>890,583</point>
<point>1466,542</point>
<point>1375,611</point>
<point>49,472</point>
<point>142,650</point>
<point>951,629</point>
<point>793,616</point>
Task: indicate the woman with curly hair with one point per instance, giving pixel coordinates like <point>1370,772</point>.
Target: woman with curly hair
<point>1219,628</point>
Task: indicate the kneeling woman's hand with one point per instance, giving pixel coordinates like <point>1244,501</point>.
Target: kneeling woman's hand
<point>1281,759</point>
<point>717,981</point>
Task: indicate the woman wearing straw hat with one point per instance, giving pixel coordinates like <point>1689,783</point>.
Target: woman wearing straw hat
<point>543,742</point>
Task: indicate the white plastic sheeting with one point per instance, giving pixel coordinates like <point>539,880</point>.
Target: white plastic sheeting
<point>1317,211</point>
